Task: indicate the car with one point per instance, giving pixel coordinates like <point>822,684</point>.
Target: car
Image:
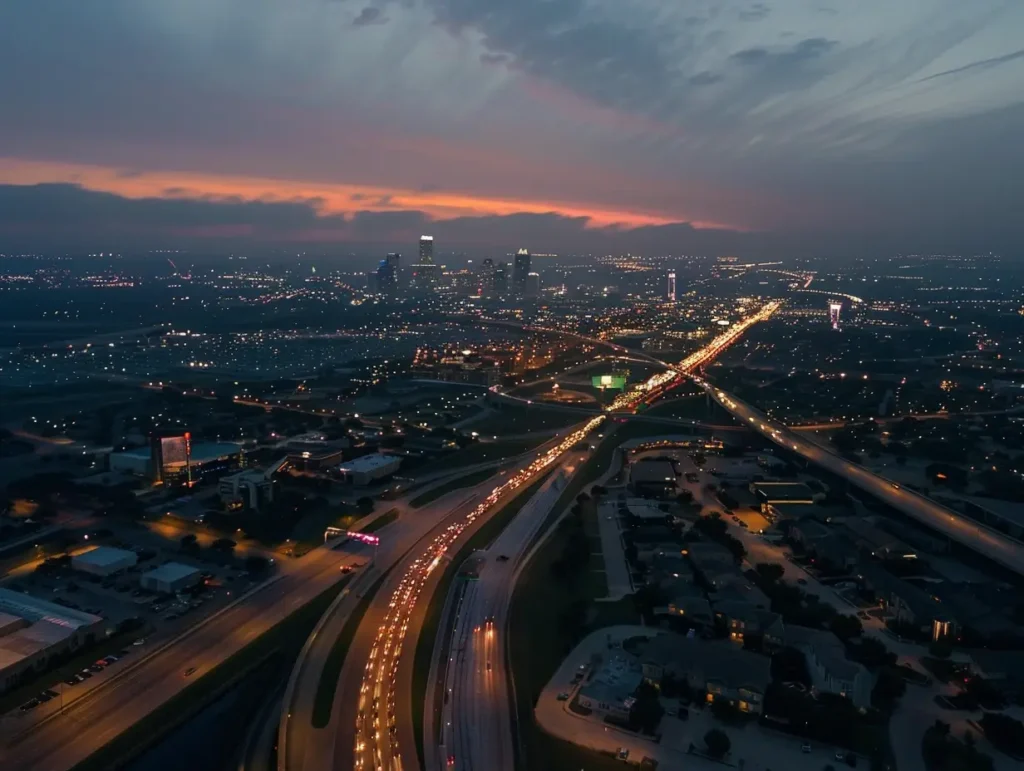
<point>95,668</point>
<point>563,696</point>
<point>111,659</point>
<point>502,558</point>
<point>346,568</point>
<point>190,671</point>
<point>805,748</point>
<point>100,663</point>
<point>623,753</point>
<point>44,696</point>
<point>488,666</point>
<point>840,755</point>
<point>140,641</point>
<point>29,705</point>
<point>85,674</point>
<point>802,581</point>
<point>72,681</point>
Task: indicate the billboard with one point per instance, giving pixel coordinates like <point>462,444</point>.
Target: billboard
<point>615,380</point>
<point>171,457</point>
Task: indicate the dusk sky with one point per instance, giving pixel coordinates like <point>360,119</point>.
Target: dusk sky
<point>675,125</point>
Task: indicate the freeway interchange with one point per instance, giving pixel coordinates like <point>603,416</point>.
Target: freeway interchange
<point>369,724</point>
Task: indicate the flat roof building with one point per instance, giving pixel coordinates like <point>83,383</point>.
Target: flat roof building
<point>32,630</point>
<point>369,468</point>
<point>170,577</point>
<point>653,478</point>
<point>104,560</point>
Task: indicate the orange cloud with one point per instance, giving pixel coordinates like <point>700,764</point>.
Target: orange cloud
<point>328,198</point>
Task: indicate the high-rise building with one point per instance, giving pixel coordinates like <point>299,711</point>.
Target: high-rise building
<point>387,273</point>
<point>533,285</point>
<point>427,250</point>
<point>501,279</point>
<point>834,308</point>
<point>487,277</point>
<point>671,286</point>
<point>424,272</point>
<point>520,270</point>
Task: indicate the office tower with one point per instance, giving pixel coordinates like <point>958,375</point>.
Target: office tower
<point>520,270</point>
<point>672,286</point>
<point>833,313</point>
<point>426,250</point>
<point>501,279</point>
<point>487,277</point>
<point>387,274</point>
<point>424,272</point>
<point>533,285</point>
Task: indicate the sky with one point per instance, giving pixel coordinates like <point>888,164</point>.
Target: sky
<point>673,126</point>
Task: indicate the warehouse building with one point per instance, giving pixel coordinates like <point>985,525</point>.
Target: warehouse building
<point>170,578</point>
<point>104,561</point>
<point>369,468</point>
<point>653,479</point>
<point>33,630</point>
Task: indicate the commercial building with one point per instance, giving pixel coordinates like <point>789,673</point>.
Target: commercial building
<point>33,630</point>
<point>671,292</point>
<point>533,285</point>
<point>316,455</point>
<point>104,560</point>
<point>202,459</point>
<point>653,478</point>
<point>369,468</point>
<point>424,272</point>
<point>250,489</point>
<point>520,270</point>
<point>611,686</point>
<point>769,494</point>
<point>170,577</point>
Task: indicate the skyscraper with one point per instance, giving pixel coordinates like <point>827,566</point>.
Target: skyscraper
<point>520,270</point>
<point>426,250</point>
<point>533,285</point>
<point>487,277</point>
<point>424,272</point>
<point>387,273</point>
<point>501,279</point>
<point>672,286</point>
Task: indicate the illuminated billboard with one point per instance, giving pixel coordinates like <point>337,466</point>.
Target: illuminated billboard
<point>171,458</point>
<point>616,380</point>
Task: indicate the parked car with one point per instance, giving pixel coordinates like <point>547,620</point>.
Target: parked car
<point>29,705</point>
<point>563,696</point>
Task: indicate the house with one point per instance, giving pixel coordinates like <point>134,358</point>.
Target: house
<point>689,602</point>
<point>744,591</point>
<point>723,670</point>
<point>611,686</point>
<point>878,542</point>
<point>830,670</point>
<point>908,603</point>
<point>742,619</point>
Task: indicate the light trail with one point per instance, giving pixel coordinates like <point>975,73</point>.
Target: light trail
<point>629,400</point>
<point>376,730</point>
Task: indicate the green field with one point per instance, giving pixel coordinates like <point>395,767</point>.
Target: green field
<point>384,519</point>
<point>481,452</point>
<point>520,420</point>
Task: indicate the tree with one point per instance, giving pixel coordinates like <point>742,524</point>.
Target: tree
<point>647,711</point>
<point>770,571</point>
<point>889,687</point>
<point>365,504</point>
<point>256,563</point>
<point>846,627</point>
<point>941,648</point>
<point>717,742</point>
<point>685,497</point>
<point>225,545</point>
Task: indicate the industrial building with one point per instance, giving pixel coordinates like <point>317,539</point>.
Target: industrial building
<point>104,561</point>
<point>33,630</point>
<point>369,468</point>
<point>171,577</point>
<point>249,489</point>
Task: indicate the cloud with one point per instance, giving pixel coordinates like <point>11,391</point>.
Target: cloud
<point>804,51</point>
<point>370,15</point>
<point>982,64</point>
<point>755,12</point>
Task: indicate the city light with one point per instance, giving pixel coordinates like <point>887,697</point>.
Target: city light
<point>377,702</point>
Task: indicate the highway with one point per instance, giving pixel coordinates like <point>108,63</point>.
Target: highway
<point>87,724</point>
<point>383,738</point>
<point>995,546</point>
<point>475,719</point>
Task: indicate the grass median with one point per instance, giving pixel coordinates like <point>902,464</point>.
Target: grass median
<point>453,484</point>
<point>432,618</point>
<point>290,634</point>
<point>383,520</point>
<point>323,701</point>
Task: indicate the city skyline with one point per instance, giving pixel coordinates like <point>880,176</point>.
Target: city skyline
<point>719,127</point>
